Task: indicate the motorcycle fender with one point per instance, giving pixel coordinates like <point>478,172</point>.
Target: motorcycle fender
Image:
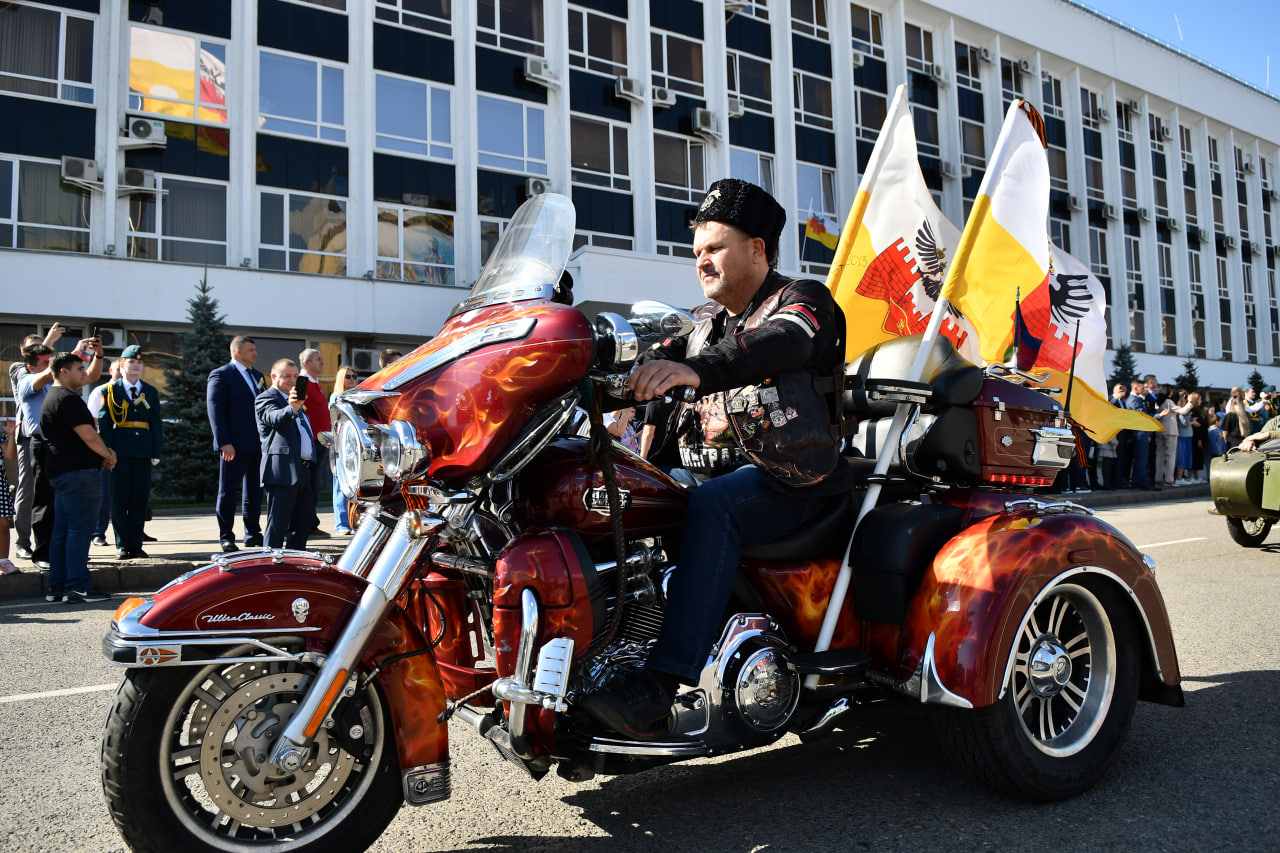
<point>261,600</point>
<point>973,598</point>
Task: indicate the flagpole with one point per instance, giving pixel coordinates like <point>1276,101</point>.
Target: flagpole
<point>835,604</point>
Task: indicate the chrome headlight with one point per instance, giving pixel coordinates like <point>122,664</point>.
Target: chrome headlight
<point>403,455</point>
<point>358,459</point>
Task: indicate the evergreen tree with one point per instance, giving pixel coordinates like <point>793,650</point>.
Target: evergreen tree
<point>1124,368</point>
<point>1190,377</point>
<point>1256,381</point>
<point>190,467</point>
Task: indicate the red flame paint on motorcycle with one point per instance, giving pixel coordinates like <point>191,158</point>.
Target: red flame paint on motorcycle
<point>472,408</point>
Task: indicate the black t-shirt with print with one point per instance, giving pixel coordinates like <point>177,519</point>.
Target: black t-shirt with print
<point>64,450</point>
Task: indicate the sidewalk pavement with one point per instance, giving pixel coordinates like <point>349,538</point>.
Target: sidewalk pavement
<point>189,540</point>
<point>184,542</point>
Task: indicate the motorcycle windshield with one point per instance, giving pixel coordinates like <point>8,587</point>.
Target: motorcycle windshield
<point>529,258</point>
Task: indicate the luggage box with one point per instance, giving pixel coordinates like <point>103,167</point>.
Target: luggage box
<point>1024,437</point>
<point>1236,482</point>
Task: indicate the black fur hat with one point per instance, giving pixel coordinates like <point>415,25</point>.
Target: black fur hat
<point>746,207</point>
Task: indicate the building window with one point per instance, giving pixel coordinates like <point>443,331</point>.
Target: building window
<point>1197,303</point>
<point>1011,82</point>
<point>968,66</point>
<point>513,24</point>
<point>177,75</point>
<point>1215,186</point>
<point>490,233</point>
<point>512,135</point>
<point>184,221</point>
<point>597,42</point>
<point>813,100</point>
<point>300,96</point>
<point>810,17</point>
<point>1274,303</point>
<point>33,40</point>
<point>1242,195</point>
<point>815,191</point>
<point>1224,306</point>
<point>599,151</point>
<point>1051,88</point>
<point>750,79</point>
<point>679,167</point>
<point>1188,176</point>
<point>302,233</point>
<point>430,15</point>
<point>677,63</point>
<point>340,5</point>
<point>1137,296</point>
<point>1250,313</point>
<point>868,38</point>
<point>415,245</point>
<point>919,49</point>
<point>748,165</point>
<point>758,9</point>
<point>1089,109</point>
<point>1124,122</point>
<point>1093,178</point>
<point>1168,298</point>
<point>1060,234</point>
<point>873,108</point>
<point>39,211</point>
<point>414,116</point>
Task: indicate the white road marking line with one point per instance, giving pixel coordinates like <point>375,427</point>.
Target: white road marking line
<point>48,694</point>
<point>1173,542</point>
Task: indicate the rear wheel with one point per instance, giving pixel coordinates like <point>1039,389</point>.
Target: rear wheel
<point>184,764</point>
<point>1249,532</point>
<point>1067,704</point>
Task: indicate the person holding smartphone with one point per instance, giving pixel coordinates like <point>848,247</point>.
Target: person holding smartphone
<point>288,456</point>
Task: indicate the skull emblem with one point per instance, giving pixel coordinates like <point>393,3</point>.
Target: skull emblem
<point>301,607</point>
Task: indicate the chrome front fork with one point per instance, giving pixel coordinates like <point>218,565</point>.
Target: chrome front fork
<point>403,546</point>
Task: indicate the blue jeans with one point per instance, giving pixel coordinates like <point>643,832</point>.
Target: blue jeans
<point>76,498</point>
<point>725,513</point>
<point>342,520</point>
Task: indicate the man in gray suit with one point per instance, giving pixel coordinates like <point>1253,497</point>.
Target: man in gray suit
<point>288,451</point>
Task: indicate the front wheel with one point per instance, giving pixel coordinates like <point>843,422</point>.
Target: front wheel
<point>1249,532</point>
<point>183,764</point>
<point>1067,704</point>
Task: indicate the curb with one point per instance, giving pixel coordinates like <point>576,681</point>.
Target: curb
<point>134,576</point>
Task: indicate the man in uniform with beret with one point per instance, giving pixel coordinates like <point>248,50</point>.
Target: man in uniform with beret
<point>763,355</point>
<point>130,425</point>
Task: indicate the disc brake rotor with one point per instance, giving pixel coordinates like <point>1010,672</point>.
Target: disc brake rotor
<point>233,756</point>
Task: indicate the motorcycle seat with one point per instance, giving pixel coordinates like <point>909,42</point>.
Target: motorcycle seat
<point>827,536</point>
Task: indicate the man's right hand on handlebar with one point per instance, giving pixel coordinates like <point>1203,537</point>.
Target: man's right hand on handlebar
<point>654,378</point>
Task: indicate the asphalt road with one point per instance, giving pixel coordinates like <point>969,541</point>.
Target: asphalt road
<point>1204,777</point>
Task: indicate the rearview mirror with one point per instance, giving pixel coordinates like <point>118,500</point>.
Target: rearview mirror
<point>657,320</point>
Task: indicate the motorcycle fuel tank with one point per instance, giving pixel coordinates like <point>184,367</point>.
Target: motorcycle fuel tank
<point>562,489</point>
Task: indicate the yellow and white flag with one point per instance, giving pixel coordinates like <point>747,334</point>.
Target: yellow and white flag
<point>1005,242</point>
<point>895,247</point>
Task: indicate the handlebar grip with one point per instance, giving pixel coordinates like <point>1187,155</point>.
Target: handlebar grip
<point>682,394</point>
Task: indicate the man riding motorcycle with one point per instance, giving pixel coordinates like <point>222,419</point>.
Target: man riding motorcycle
<point>761,355</point>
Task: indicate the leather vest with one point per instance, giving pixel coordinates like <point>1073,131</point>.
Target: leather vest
<point>783,424</point>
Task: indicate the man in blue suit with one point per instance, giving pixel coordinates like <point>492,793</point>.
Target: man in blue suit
<point>288,453</point>
<point>230,400</point>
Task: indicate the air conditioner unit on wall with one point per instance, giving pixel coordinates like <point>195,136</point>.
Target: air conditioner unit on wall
<point>536,186</point>
<point>1104,114</point>
<point>81,170</point>
<point>1171,224</point>
<point>984,53</point>
<point>629,88</point>
<point>948,169</point>
<point>113,340</point>
<point>1135,106</point>
<point>142,132</point>
<point>737,106</point>
<point>1248,165</point>
<point>859,59</point>
<point>1075,203</point>
<point>137,180</point>
<point>1109,211</point>
<point>1166,132</point>
<point>538,70</point>
<point>1230,242</point>
<point>1144,214</point>
<point>706,124</point>
<point>939,74</point>
<point>365,361</point>
<point>1025,65</point>
<point>663,97</point>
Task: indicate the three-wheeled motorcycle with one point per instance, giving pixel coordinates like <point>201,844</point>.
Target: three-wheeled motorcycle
<point>503,569</point>
<point>1245,486</point>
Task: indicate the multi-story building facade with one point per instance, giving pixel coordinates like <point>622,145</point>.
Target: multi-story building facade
<point>341,168</point>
